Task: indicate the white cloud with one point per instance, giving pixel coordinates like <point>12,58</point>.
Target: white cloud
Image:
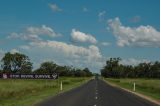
<point>105,43</point>
<point>60,52</point>
<point>44,30</point>
<point>69,49</point>
<point>13,36</point>
<point>24,36</point>
<point>55,8</point>
<point>66,54</point>
<point>101,15</point>
<point>133,61</point>
<point>14,51</point>
<point>144,36</point>
<point>85,9</point>
<point>82,37</point>
<point>33,33</point>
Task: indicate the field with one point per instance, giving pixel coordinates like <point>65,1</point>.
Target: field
<point>28,92</point>
<point>148,87</point>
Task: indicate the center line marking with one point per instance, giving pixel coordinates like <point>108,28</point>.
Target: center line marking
<point>96,97</point>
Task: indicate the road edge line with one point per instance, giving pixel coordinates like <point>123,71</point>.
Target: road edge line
<point>135,93</point>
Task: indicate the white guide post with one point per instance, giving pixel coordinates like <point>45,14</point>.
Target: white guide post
<point>134,87</point>
<point>61,86</point>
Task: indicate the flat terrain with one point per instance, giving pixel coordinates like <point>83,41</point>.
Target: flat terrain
<point>18,92</point>
<point>148,87</point>
<point>96,93</point>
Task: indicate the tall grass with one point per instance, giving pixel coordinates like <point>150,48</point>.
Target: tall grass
<point>18,92</point>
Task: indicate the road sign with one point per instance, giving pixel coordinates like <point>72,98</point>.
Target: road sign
<point>29,76</point>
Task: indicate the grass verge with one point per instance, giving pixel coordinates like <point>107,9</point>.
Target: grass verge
<point>148,87</point>
<point>18,92</point>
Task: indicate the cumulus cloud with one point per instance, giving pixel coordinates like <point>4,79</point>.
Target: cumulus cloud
<point>24,36</point>
<point>105,43</point>
<point>55,8</point>
<point>133,61</point>
<point>67,54</point>
<point>101,15</point>
<point>143,36</point>
<point>69,49</point>
<point>44,30</point>
<point>34,33</point>
<point>60,52</point>
<point>82,37</point>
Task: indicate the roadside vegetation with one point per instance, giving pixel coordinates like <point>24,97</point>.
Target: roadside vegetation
<point>148,87</point>
<point>145,75</point>
<point>27,92</point>
<point>114,69</point>
<point>18,63</point>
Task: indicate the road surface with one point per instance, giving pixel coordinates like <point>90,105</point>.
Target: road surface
<point>96,93</point>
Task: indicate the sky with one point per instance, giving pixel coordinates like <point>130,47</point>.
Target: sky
<point>81,33</point>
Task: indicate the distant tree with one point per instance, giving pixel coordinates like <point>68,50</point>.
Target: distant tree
<point>63,70</point>
<point>16,63</point>
<point>142,70</point>
<point>51,67</point>
<point>47,68</point>
<point>88,72</point>
<point>80,73</point>
<point>7,62</point>
<point>155,70</point>
<point>111,68</point>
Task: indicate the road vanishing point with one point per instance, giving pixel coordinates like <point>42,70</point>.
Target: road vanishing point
<point>96,93</point>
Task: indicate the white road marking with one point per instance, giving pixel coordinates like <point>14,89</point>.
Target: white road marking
<point>95,105</point>
<point>96,97</point>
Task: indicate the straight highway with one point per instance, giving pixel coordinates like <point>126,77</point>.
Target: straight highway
<point>96,93</point>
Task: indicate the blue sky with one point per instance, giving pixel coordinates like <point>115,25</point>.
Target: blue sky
<point>82,33</point>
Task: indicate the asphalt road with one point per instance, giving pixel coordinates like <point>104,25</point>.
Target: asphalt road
<point>96,93</point>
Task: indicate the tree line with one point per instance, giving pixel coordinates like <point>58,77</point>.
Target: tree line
<point>20,64</point>
<point>114,69</point>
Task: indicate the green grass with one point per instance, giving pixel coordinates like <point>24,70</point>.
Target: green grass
<point>148,87</point>
<point>18,92</point>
